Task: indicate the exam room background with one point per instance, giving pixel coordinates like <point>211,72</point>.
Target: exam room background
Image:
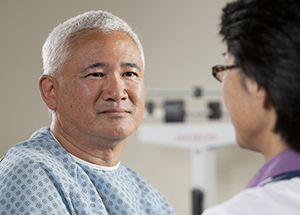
<point>181,44</point>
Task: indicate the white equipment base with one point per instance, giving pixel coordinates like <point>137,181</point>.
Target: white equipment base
<point>200,138</point>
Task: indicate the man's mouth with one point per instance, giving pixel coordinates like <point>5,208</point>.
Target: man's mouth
<point>114,112</point>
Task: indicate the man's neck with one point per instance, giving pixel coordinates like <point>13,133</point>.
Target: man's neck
<point>101,152</point>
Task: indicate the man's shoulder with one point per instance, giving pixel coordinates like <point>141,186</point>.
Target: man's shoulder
<point>29,179</point>
<point>41,148</point>
<point>40,141</point>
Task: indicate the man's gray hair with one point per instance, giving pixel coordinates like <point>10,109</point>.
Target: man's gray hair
<point>55,50</point>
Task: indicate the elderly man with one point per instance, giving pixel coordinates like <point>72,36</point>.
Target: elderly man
<point>262,93</point>
<point>93,84</point>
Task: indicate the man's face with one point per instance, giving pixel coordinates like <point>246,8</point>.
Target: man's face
<point>100,90</point>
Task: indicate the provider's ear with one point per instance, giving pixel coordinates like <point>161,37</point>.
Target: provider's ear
<point>260,94</point>
<point>46,85</point>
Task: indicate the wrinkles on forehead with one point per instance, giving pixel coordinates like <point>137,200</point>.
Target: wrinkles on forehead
<point>74,38</point>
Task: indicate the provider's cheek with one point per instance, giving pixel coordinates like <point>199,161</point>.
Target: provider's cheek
<point>225,95</point>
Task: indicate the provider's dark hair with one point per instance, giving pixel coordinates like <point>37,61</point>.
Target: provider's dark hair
<point>264,38</point>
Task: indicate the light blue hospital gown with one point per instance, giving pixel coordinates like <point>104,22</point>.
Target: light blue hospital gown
<point>39,176</point>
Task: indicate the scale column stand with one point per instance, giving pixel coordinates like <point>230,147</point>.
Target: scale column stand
<point>201,139</point>
<point>203,178</point>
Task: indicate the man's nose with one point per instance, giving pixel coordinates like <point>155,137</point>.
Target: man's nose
<point>114,89</point>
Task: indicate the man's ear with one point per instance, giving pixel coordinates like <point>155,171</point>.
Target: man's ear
<point>47,89</point>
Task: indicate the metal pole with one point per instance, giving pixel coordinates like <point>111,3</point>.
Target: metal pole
<point>196,92</point>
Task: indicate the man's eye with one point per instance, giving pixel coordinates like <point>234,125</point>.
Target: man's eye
<point>96,74</point>
<point>129,74</point>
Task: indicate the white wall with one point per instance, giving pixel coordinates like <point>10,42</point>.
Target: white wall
<point>181,44</point>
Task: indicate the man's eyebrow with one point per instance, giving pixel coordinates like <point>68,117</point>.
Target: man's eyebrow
<point>95,65</point>
<point>131,65</point>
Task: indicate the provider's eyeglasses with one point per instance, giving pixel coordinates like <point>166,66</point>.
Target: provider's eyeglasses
<point>220,72</point>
